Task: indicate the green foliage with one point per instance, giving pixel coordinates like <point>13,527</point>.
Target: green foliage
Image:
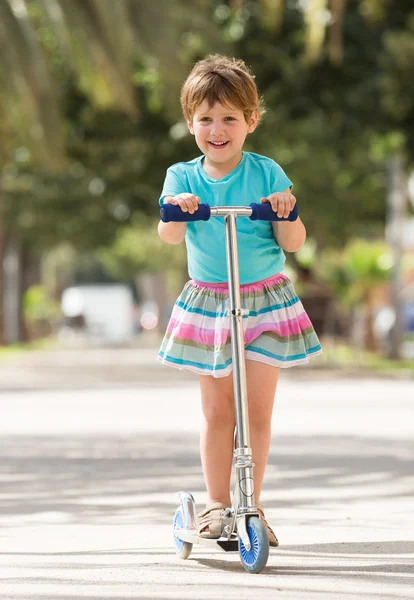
<point>331,126</point>
<point>357,269</point>
<point>115,174</point>
<point>306,256</point>
<point>334,126</point>
<point>340,356</point>
<point>368,261</point>
<point>37,305</point>
<point>139,248</point>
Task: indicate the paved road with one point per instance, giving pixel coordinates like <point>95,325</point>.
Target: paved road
<point>89,474</point>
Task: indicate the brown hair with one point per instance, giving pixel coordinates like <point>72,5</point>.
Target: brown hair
<point>218,78</point>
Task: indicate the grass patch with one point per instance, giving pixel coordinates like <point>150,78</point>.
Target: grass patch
<point>347,357</point>
<point>42,344</point>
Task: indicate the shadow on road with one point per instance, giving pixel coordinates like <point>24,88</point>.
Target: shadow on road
<point>369,570</point>
<point>133,479</point>
<point>125,479</point>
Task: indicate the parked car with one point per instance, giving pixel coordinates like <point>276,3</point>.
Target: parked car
<point>102,313</point>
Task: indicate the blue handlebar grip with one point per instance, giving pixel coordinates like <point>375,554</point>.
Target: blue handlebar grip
<point>265,212</point>
<point>170,212</point>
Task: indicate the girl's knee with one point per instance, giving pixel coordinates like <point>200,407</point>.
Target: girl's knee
<point>260,423</point>
<point>219,413</point>
<point>260,415</point>
<point>217,401</point>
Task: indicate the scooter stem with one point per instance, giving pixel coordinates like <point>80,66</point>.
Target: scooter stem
<point>243,452</point>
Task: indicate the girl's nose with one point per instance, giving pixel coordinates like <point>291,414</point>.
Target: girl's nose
<point>216,128</point>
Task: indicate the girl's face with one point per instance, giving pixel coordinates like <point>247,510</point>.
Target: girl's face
<point>220,132</point>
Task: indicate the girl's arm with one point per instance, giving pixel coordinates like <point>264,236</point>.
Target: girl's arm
<point>289,235</point>
<point>174,233</point>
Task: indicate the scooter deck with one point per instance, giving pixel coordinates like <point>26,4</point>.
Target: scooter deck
<point>191,535</point>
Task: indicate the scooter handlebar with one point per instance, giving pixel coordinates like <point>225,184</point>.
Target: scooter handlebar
<point>170,213</point>
<point>265,212</point>
<point>260,212</point>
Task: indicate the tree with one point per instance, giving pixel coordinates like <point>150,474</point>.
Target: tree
<point>333,124</point>
<point>336,80</point>
<point>356,273</point>
<point>54,49</point>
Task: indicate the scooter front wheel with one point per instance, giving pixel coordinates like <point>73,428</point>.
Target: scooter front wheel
<point>183,549</point>
<point>255,559</point>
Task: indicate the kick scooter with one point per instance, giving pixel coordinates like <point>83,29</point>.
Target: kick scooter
<point>242,530</point>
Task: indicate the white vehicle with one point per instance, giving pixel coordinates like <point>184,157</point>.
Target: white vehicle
<point>103,314</point>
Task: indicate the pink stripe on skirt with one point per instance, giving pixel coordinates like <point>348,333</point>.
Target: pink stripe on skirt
<point>214,337</point>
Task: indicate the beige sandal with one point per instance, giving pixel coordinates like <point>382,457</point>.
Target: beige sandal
<point>210,521</point>
<point>273,541</point>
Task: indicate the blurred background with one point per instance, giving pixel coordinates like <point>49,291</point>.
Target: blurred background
<point>96,437</point>
<point>90,120</point>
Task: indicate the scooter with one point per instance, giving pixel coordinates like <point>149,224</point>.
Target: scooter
<point>242,531</point>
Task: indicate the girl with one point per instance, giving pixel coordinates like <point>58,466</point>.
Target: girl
<point>221,105</point>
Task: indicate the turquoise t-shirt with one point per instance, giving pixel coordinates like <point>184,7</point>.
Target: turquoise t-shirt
<point>254,177</point>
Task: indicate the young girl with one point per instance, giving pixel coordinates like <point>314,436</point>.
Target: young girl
<point>221,105</point>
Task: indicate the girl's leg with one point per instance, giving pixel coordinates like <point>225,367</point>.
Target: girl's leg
<point>217,436</point>
<point>217,431</point>
<point>261,388</point>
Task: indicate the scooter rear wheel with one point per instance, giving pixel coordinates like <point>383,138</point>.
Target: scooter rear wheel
<point>255,559</point>
<point>183,549</point>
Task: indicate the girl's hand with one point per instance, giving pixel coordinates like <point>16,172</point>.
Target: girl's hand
<point>282,203</point>
<point>187,202</point>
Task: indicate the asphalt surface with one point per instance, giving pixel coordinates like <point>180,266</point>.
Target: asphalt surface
<point>94,446</point>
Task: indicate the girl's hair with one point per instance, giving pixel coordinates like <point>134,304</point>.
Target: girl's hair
<point>218,78</point>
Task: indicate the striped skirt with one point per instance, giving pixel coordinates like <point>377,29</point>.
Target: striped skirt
<point>277,330</point>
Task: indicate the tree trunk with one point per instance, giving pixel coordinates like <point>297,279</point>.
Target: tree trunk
<point>12,293</point>
<point>370,341</point>
<point>336,46</point>
<point>396,219</point>
<point>2,244</point>
<point>30,274</point>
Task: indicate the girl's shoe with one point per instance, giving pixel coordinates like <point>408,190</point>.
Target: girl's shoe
<point>210,521</point>
<point>273,541</point>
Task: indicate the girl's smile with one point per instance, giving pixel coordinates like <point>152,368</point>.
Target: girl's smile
<point>218,145</point>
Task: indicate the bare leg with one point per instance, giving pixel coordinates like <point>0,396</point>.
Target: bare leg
<point>217,430</point>
<point>217,435</point>
<point>261,388</point>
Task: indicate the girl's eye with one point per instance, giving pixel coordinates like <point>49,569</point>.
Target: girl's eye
<point>208,119</point>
